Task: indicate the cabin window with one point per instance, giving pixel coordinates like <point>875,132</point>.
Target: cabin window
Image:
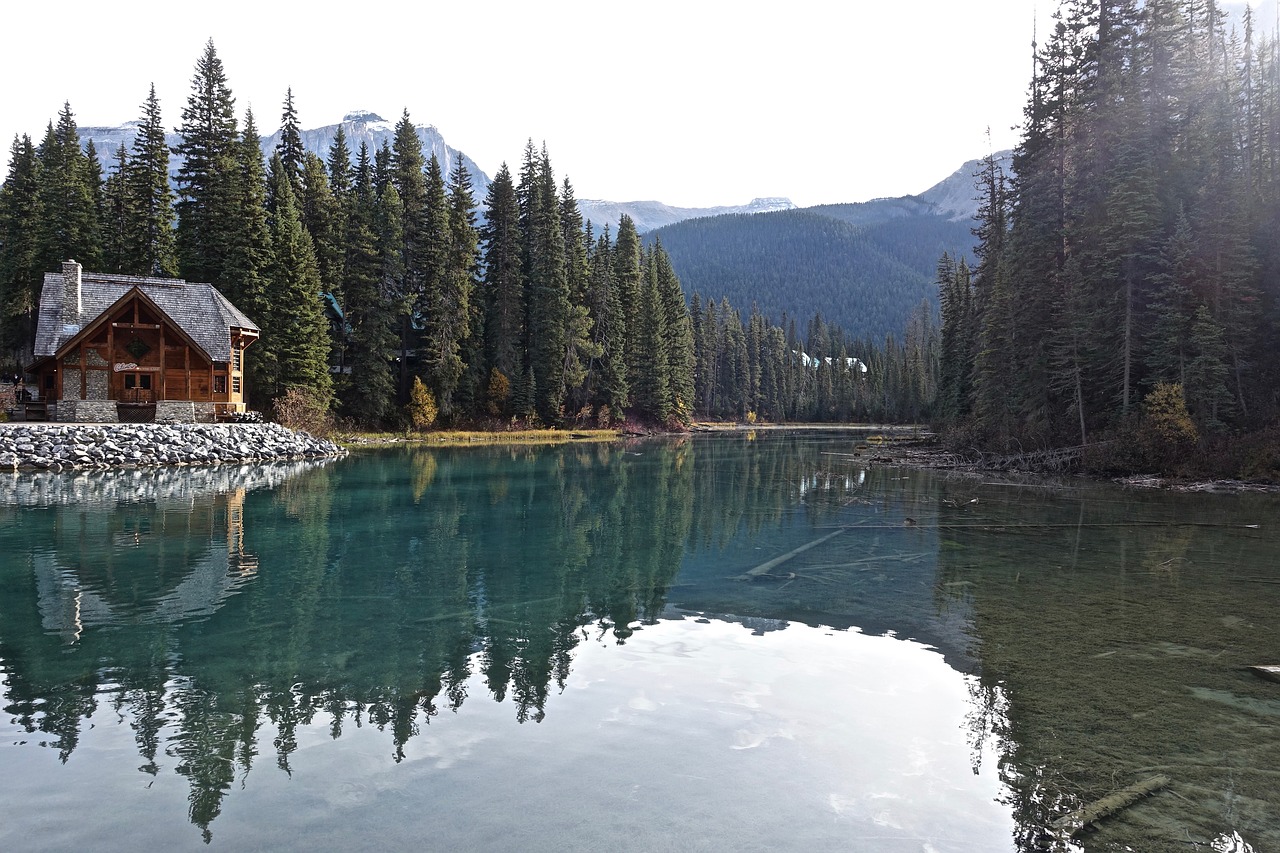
<point>219,384</point>
<point>235,384</point>
<point>235,358</point>
<point>137,380</point>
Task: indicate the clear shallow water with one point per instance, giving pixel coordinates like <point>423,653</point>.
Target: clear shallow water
<point>499,649</point>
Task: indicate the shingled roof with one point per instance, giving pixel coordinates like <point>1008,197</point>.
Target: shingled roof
<point>199,310</point>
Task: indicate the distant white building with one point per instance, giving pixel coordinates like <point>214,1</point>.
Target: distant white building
<point>812,363</point>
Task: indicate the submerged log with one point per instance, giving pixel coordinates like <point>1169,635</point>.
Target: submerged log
<point>764,568</point>
<point>1073,823</point>
<point>1270,673</point>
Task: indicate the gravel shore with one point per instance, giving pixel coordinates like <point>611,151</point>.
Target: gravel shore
<point>35,446</point>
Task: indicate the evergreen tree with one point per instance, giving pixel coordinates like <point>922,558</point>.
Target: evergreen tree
<point>247,246</point>
<point>207,176</point>
<point>298,342</point>
<point>677,339</point>
<point>67,189</point>
<point>149,243</point>
<point>405,170</point>
<point>372,241</point>
<point>626,272</point>
<point>341,174</point>
<point>437,305</point>
<point>116,216</point>
<point>21,265</point>
<point>320,213</point>
<point>290,147</point>
<point>607,371</point>
<point>548,294</point>
<point>502,283</point>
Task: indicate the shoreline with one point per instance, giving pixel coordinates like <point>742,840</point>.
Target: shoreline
<point>26,446</point>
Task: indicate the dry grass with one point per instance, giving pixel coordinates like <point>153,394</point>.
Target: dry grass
<point>456,438</point>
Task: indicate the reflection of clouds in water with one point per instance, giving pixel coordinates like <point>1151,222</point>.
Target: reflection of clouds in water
<point>870,729</point>
<point>1232,843</point>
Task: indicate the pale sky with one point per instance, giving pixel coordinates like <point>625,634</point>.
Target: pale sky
<point>693,103</point>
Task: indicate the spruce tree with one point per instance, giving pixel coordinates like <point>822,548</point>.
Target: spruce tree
<point>607,372</point>
<point>207,175</point>
<point>626,256</point>
<point>548,294</point>
<point>116,216</point>
<point>298,342</point>
<point>677,340</point>
<point>68,225</point>
<point>372,239</point>
<point>502,284</point>
<point>320,213</point>
<point>405,170</point>
<point>290,146</point>
<point>247,251</point>
<point>21,264</point>
<point>149,237</point>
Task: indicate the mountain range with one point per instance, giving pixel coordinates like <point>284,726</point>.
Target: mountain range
<point>864,267</point>
<point>359,126</point>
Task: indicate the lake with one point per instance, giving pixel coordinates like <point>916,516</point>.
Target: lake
<point>754,641</point>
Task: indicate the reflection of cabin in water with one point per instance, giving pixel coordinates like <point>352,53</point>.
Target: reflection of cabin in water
<point>165,561</point>
<point>116,347</point>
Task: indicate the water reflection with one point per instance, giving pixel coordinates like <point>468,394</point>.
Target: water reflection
<point>1114,630</point>
<point>224,618</point>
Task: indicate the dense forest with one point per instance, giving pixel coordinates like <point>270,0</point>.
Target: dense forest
<point>863,267</point>
<point>389,296</point>
<point>1127,270</point>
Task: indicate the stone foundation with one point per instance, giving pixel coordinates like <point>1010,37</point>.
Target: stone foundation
<point>88,411</point>
<point>175,412</point>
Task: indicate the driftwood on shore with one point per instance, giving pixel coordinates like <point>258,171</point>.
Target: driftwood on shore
<point>1071,824</point>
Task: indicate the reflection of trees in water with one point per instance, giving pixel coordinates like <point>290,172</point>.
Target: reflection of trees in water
<point>1105,642</point>
<point>382,587</point>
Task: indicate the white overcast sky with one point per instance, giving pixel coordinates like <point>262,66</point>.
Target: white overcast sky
<point>694,103</point>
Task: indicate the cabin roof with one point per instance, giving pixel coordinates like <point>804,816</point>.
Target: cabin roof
<point>199,310</point>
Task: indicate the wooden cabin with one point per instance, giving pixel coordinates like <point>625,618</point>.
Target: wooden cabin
<point>118,347</point>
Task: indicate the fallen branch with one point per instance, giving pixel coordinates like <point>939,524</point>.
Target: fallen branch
<point>1270,673</point>
<point>1073,823</point>
<point>764,568</point>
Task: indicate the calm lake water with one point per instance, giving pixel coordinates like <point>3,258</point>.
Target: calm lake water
<point>746,642</point>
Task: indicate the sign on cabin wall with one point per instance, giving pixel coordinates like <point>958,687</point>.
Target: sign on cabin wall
<point>125,365</point>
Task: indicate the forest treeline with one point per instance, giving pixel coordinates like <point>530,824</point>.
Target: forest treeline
<point>1125,281</point>
<point>863,267</point>
<point>392,297</point>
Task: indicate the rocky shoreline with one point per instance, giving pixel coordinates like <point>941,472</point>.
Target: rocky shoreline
<point>57,447</point>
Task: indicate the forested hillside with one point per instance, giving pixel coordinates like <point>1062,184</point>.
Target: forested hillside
<point>863,267</point>
<point>1130,272</point>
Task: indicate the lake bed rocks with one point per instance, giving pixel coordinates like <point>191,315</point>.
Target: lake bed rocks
<point>56,447</point>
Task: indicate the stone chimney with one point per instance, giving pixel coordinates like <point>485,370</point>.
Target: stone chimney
<point>71,304</point>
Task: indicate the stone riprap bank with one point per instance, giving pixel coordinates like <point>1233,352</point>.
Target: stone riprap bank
<point>62,446</point>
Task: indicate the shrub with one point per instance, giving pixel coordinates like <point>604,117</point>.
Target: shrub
<point>499,392</point>
<point>422,407</point>
<point>1166,433</point>
<point>303,409</point>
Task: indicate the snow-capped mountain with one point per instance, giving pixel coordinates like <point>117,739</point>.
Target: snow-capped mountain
<point>649,215</point>
<point>359,126</point>
<point>372,129</point>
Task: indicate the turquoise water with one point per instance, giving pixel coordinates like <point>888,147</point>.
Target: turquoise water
<point>748,642</point>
